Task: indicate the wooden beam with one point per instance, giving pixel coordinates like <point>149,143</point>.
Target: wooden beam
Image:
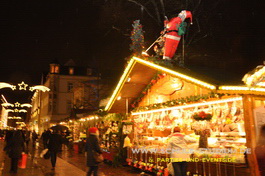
<point>248,105</point>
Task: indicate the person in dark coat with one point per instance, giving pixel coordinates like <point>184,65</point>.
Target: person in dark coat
<point>54,143</point>
<point>14,148</point>
<point>92,145</point>
<point>45,137</point>
<point>27,137</point>
<point>34,137</point>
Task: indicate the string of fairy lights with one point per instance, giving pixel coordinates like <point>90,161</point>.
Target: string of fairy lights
<point>17,107</point>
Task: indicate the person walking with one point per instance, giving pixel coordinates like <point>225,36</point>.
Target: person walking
<point>54,143</point>
<point>14,148</point>
<point>27,137</point>
<point>92,145</point>
<point>178,141</point>
<point>259,151</point>
<point>34,137</point>
<point>45,137</point>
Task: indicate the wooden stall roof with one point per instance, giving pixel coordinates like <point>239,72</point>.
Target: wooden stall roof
<point>137,75</point>
<point>139,72</point>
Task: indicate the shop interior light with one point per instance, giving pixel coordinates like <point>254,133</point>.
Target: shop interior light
<point>119,97</point>
<point>180,75</point>
<point>120,84</point>
<point>10,110</point>
<point>190,105</point>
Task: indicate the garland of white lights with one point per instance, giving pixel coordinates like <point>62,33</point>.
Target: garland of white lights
<point>23,86</point>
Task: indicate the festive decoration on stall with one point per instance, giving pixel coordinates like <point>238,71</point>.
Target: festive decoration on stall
<point>202,116</point>
<point>176,102</point>
<point>137,38</point>
<point>174,30</point>
<point>255,76</point>
<point>145,90</point>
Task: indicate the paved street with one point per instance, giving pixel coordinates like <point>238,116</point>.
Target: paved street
<point>68,163</point>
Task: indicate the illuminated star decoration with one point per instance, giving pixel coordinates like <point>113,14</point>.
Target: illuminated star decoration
<point>22,86</point>
<point>6,85</point>
<point>17,104</point>
<point>39,87</point>
<point>16,110</point>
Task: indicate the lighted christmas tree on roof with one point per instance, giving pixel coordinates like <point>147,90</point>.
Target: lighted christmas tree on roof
<point>137,38</point>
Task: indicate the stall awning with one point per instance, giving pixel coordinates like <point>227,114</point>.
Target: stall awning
<point>136,77</point>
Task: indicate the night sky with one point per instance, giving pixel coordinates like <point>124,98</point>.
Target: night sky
<point>226,35</point>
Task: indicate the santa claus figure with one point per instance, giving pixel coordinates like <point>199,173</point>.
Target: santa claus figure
<point>172,37</point>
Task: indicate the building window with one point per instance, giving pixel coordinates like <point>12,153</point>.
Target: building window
<point>57,69</point>
<point>54,69</point>
<point>71,71</point>
<point>70,87</point>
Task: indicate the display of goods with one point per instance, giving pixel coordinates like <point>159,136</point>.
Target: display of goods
<point>202,116</point>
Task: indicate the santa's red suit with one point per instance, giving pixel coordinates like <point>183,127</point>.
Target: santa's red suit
<point>171,37</point>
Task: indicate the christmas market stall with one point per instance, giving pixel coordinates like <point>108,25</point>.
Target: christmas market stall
<point>113,129</point>
<point>223,120</point>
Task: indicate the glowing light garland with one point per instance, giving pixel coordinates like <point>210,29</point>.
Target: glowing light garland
<point>16,118</point>
<point>242,88</point>
<point>180,75</point>
<point>26,105</point>
<point>24,86</point>
<point>22,110</point>
<point>120,83</point>
<point>39,87</point>
<point>7,104</point>
<point>190,105</point>
<point>7,85</point>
